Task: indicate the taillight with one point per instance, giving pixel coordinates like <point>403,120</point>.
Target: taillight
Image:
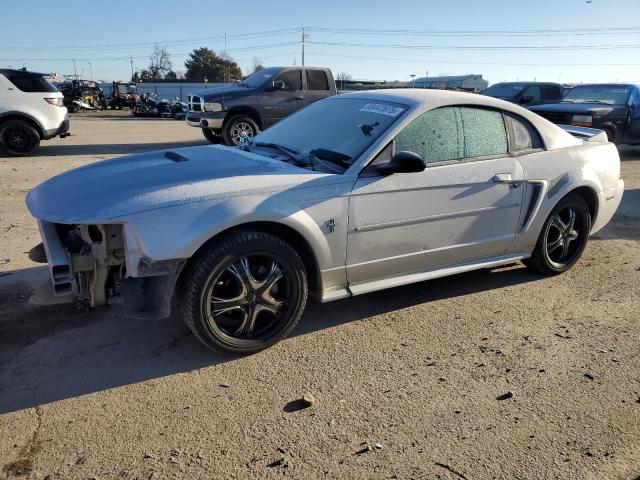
<point>55,101</point>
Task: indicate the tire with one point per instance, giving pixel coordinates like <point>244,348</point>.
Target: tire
<point>211,135</point>
<point>562,240</point>
<point>238,128</point>
<point>19,138</point>
<point>610,134</point>
<point>254,309</point>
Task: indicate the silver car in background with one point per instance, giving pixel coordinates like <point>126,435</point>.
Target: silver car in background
<point>355,193</point>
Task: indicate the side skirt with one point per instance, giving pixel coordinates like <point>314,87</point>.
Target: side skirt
<point>385,283</point>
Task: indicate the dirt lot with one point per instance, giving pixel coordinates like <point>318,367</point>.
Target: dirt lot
<point>415,373</point>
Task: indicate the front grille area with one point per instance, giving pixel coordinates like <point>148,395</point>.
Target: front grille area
<point>559,118</point>
<point>196,103</point>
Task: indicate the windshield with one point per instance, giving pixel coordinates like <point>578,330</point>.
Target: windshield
<point>343,127</point>
<point>504,90</point>
<point>598,94</point>
<point>126,89</point>
<point>261,76</point>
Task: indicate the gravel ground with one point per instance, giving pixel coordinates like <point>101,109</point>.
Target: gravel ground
<point>492,374</point>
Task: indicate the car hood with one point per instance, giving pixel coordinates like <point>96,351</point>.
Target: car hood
<point>115,188</point>
<point>226,91</point>
<point>579,108</point>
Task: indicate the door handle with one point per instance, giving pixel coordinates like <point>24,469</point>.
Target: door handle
<point>299,97</point>
<point>506,178</point>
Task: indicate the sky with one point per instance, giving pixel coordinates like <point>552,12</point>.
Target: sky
<point>570,41</point>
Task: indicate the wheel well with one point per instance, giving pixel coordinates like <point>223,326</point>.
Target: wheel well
<point>25,118</point>
<point>245,111</point>
<point>590,197</point>
<point>286,233</point>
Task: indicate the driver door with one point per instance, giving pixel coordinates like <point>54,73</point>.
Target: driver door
<point>278,104</point>
<point>464,206</point>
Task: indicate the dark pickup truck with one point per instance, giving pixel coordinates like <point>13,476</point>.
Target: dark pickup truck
<point>526,93</point>
<point>232,113</point>
<point>614,108</point>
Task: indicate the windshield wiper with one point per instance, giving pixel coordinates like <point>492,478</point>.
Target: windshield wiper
<point>336,158</point>
<point>288,151</point>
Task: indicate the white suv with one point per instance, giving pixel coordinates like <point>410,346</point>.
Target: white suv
<point>31,110</point>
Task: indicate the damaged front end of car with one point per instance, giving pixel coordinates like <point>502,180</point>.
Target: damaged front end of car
<point>91,264</point>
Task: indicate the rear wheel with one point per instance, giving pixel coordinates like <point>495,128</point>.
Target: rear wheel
<point>245,293</point>
<point>563,237</point>
<point>238,129</point>
<point>19,138</point>
<point>211,135</point>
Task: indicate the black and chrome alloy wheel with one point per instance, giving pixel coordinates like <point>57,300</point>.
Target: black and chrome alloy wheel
<point>563,237</point>
<point>245,293</point>
<point>249,298</point>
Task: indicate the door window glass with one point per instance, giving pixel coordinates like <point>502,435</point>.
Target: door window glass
<point>317,80</point>
<point>484,132</point>
<point>436,135</point>
<point>532,91</point>
<point>454,133</point>
<point>292,80</point>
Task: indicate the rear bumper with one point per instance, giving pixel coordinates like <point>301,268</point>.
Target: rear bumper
<point>62,130</point>
<point>212,120</point>
<point>608,203</point>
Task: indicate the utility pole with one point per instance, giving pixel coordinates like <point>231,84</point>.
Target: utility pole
<point>131,61</point>
<point>75,72</point>
<point>303,39</point>
<point>91,71</point>
<point>413,79</point>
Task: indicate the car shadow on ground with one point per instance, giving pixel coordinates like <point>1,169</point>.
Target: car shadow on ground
<point>51,353</point>
<point>110,149</point>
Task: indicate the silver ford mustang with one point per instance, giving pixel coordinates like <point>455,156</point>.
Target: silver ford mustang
<point>353,194</point>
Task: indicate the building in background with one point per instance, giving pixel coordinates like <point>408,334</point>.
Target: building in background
<point>466,83</point>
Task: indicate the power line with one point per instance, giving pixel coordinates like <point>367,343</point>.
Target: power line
<point>472,62</point>
<point>481,33</point>
<point>476,47</point>
<point>221,38</point>
<point>128,57</point>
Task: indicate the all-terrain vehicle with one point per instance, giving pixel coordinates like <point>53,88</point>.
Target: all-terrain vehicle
<point>31,109</point>
<point>123,94</point>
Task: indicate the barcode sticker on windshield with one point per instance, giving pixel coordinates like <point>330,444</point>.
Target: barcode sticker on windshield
<point>382,109</point>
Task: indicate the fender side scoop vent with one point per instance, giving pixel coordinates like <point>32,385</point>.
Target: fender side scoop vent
<point>176,157</point>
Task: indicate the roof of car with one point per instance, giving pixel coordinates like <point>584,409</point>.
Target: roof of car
<point>428,99</point>
<point>526,83</point>
<point>608,85</point>
<point>24,72</point>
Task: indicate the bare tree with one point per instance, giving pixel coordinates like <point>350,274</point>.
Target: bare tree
<point>256,65</point>
<point>343,77</point>
<point>159,62</point>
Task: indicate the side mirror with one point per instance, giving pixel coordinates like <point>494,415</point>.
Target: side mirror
<point>403,162</point>
<point>276,85</point>
<point>526,99</point>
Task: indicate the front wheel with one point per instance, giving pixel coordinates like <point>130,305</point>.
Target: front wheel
<point>245,293</point>
<point>238,129</point>
<point>19,138</point>
<point>563,237</point>
<point>211,135</point>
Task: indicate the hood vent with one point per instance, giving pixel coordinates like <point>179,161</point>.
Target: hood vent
<point>176,157</point>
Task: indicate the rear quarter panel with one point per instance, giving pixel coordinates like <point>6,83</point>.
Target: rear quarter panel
<point>594,165</point>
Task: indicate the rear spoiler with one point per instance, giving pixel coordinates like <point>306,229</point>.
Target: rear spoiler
<point>585,133</point>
